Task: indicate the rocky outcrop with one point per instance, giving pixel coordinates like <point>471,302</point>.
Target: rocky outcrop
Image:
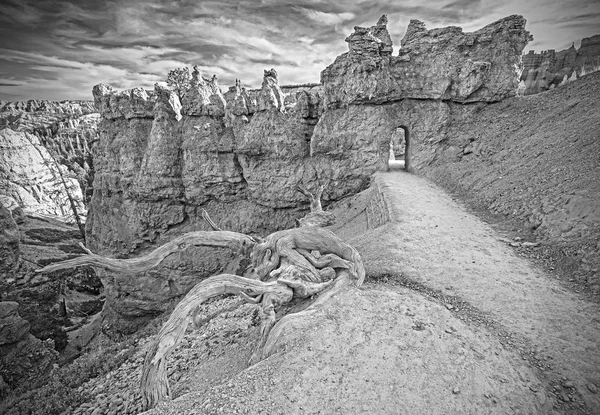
<point>15,210</point>
<point>440,64</point>
<point>12,327</point>
<point>549,69</point>
<point>238,155</point>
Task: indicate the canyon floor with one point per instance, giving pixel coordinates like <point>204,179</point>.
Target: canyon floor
<point>451,319</point>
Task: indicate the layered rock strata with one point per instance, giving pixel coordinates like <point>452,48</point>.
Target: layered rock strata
<point>549,69</point>
<point>159,161</point>
<point>240,155</point>
<point>45,152</point>
<point>33,177</point>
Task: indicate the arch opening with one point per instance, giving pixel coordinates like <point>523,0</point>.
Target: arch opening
<point>399,156</point>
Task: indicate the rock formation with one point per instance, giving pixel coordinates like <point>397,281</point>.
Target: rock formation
<point>33,177</point>
<point>46,151</point>
<point>440,64</point>
<point>549,69</point>
<point>242,155</point>
<point>369,93</point>
<point>157,168</point>
<point>12,327</point>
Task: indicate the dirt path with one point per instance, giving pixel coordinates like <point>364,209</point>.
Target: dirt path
<point>450,320</point>
<point>443,248</point>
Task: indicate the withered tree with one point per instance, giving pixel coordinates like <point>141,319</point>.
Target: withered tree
<point>307,263</point>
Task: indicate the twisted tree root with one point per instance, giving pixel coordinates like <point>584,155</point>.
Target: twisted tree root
<point>154,383</point>
<point>238,242</point>
<point>292,243</point>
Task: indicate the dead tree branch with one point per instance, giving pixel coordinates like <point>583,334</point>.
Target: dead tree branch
<point>210,221</point>
<point>238,242</point>
<point>317,216</point>
<point>154,383</point>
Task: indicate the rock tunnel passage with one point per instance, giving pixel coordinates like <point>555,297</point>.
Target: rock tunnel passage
<point>442,247</point>
<point>399,149</point>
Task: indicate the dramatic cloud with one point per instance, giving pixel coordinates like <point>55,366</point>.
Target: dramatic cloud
<point>59,49</point>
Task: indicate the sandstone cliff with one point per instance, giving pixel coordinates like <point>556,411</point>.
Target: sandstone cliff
<point>369,93</point>
<point>440,64</point>
<point>549,69</point>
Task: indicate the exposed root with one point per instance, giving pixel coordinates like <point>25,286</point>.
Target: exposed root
<point>154,383</point>
<point>238,242</point>
<point>270,345</point>
<point>291,244</point>
<point>210,221</point>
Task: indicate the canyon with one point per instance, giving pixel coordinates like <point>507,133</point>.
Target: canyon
<point>142,166</point>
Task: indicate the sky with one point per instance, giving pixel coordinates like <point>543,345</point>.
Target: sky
<point>59,49</point>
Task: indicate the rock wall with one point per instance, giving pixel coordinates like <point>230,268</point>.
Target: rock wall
<point>160,160</point>
<point>549,69</point>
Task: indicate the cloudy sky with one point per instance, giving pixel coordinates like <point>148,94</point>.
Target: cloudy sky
<point>59,49</point>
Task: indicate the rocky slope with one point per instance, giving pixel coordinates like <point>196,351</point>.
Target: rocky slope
<point>549,69</point>
<point>535,160</point>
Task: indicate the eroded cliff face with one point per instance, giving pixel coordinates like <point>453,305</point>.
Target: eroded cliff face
<point>22,356</point>
<point>43,143</point>
<point>160,160</point>
<point>549,69</point>
<point>439,64</point>
<point>163,156</point>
